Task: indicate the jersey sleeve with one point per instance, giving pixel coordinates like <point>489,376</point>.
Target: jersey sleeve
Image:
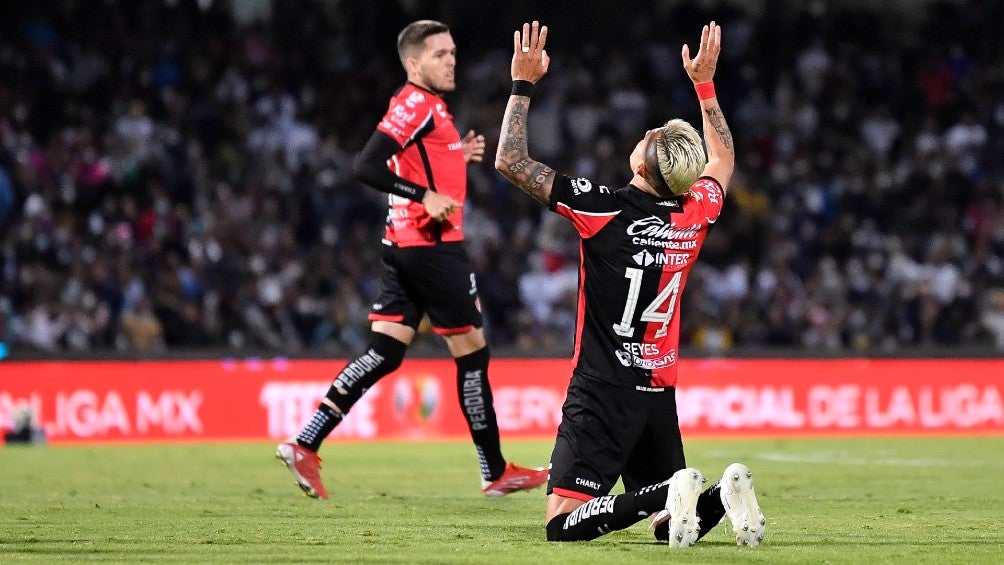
<point>589,206</point>
<point>710,197</point>
<point>407,118</point>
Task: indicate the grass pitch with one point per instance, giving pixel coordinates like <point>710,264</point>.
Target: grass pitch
<point>937,500</point>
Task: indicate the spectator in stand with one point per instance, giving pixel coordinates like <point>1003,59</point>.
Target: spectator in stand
<point>191,132</point>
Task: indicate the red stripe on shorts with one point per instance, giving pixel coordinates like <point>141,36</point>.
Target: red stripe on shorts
<point>386,318</point>
<point>572,494</point>
<point>453,331</point>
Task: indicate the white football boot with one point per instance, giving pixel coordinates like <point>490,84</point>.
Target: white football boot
<point>741,506</point>
<point>681,505</point>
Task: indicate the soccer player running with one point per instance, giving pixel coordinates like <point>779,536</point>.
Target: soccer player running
<point>638,244</point>
<point>417,156</point>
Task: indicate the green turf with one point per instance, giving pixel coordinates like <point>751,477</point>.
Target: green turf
<point>841,501</point>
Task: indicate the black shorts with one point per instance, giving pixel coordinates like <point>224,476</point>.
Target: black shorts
<point>608,432</point>
<point>437,280</point>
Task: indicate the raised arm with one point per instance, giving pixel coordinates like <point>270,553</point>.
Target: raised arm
<point>529,64</point>
<point>717,136</point>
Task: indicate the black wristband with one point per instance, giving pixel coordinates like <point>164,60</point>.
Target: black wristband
<point>522,88</point>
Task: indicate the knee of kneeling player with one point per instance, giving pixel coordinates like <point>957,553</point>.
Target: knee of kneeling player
<point>556,529</point>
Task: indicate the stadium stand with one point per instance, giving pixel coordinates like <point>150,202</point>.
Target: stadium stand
<point>175,176</point>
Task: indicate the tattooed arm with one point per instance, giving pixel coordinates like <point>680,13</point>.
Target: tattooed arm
<point>718,139</point>
<point>717,136</point>
<point>529,64</point>
<point>513,159</point>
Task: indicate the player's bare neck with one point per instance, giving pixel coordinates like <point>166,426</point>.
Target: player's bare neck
<point>425,87</point>
<point>641,184</point>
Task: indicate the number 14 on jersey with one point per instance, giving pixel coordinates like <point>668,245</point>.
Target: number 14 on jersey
<point>651,313</point>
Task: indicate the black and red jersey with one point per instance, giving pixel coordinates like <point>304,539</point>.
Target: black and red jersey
<point>636,252</point>
<point>432,156</point>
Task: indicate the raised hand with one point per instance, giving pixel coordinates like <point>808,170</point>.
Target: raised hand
<point>473,146</point>
<point>529,58</point>
<point>702,67</point>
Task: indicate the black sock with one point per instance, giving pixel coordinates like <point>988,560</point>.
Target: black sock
<point>710,509</point>
<point>605,514</point>
<point>320,425</point>
<point>383,355</point>
<point>475,394</point>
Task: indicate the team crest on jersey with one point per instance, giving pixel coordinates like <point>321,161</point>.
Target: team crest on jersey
<point>414,99</point>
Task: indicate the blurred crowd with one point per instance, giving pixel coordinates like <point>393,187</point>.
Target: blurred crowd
<point>176,175</point>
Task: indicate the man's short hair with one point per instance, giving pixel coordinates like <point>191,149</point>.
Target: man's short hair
<point>413,36</point>
<point>674,157</point>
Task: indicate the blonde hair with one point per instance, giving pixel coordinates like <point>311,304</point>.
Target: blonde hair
<point>675,157</point>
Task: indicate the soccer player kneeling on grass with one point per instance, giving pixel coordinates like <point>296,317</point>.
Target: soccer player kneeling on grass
<point>638,244</point>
